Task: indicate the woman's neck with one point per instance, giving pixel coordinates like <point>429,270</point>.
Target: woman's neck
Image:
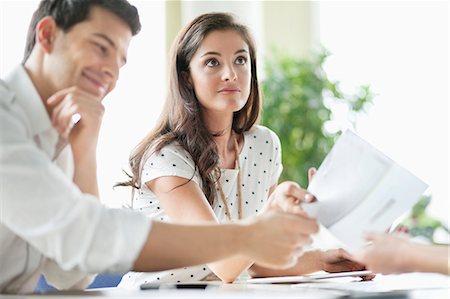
<point>221,128</point>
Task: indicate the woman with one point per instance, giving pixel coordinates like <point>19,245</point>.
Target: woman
<point>207,160</point>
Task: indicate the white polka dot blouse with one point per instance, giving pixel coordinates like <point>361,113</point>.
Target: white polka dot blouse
<point>261,166</point>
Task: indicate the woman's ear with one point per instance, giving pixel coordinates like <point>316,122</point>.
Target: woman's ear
<point>46,31</point>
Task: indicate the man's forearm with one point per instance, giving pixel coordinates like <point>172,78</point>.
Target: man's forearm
<point>187,245</point>
<point>85,176</point>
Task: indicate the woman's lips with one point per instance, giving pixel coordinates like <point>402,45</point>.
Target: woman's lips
<point>229,90</point>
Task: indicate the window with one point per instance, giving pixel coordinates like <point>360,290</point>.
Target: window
<point>401,50</point>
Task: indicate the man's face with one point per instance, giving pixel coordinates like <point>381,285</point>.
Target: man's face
<point>90,54</point>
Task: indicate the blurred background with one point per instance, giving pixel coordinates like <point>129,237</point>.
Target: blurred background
<point>379,68</point>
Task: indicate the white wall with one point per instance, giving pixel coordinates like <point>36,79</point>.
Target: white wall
<point>131,109</point>
<point>401,49</point>
<point>248,12</point>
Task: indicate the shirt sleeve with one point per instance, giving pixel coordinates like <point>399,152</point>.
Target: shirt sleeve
<point>171,160</point>
<point>39,204</point>
<point>65,280</point>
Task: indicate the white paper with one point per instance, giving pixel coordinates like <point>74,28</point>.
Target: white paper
<point>359,189</point>
<point>308,278</point>
<point>388,283</point>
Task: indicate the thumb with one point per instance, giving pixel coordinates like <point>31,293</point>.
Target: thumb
<point>311,173</point>
<point>58,96</point>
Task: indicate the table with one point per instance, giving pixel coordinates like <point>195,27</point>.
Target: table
<point>415,286</point>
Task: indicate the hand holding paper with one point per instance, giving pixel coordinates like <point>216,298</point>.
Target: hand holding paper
<point>359,189</point>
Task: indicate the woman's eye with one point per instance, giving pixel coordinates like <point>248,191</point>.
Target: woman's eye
<point>241,60</point>
<point>212,63</point>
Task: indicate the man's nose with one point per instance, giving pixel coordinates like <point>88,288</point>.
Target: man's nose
<point>111,68</point>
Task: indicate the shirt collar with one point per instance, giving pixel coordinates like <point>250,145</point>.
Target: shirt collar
<point>29,100</point>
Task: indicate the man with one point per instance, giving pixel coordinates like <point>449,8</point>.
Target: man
<point>50,115</point>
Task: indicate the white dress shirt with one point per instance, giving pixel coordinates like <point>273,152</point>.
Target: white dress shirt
<point>47,225</point>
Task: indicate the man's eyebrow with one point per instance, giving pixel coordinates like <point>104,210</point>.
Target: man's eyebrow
<point>106,38</point>
<point>111,43</point>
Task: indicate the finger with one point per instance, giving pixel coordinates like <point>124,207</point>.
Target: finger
<point>70,118</point>
<point>302,196</point>
<point>58,96</point>
<point>299,251</point>
<point>373,236</point>
<point>297,210</point>
<point>311,173</point>
<point>368,277</point>
<point>309,198</point>
<point>73,120</point>
<point>359,256</point>
<point>292,262</point>
<point>76,117</point>
<point>344,254</point>
<point>292,189</point>
<point>305,240</point>
<point>307,225</point>
<point>59,113</point>
<point>77,98</point>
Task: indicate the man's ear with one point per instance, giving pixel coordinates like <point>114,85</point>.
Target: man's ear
<point>46,31</point>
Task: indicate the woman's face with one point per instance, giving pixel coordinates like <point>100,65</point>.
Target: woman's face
<point>220,72</point>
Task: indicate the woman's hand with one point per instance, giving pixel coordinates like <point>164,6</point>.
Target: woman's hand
<point>339,260</point>
<point>288,196</point>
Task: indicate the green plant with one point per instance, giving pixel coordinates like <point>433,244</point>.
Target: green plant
<point>295,94</point>
<point>419,223</point>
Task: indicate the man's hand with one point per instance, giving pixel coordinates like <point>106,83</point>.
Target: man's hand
<point>72,101</point>
<point>83,136</point>
<point>276,239</point>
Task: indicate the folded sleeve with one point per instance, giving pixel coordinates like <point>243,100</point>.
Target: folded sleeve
<point>171,160</point>
<point>39,204</point>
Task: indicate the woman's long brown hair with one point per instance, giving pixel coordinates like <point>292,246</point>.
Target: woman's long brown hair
<point>181,119</point>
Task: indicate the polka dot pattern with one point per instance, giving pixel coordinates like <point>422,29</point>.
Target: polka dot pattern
<point>260,169</point>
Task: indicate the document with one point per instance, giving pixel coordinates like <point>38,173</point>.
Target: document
<point>308,277</point>
<point>359,189</point>
<point>384,284</point>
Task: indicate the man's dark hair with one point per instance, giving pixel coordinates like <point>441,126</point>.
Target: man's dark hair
<point>68,13</point>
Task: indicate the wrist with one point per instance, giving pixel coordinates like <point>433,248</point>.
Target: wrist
<point>86,160</point>
<point>83,143</point>
<point>242,235</point>
<point>316,256</point>
<point>82,149</point>
<point>410,259</point>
